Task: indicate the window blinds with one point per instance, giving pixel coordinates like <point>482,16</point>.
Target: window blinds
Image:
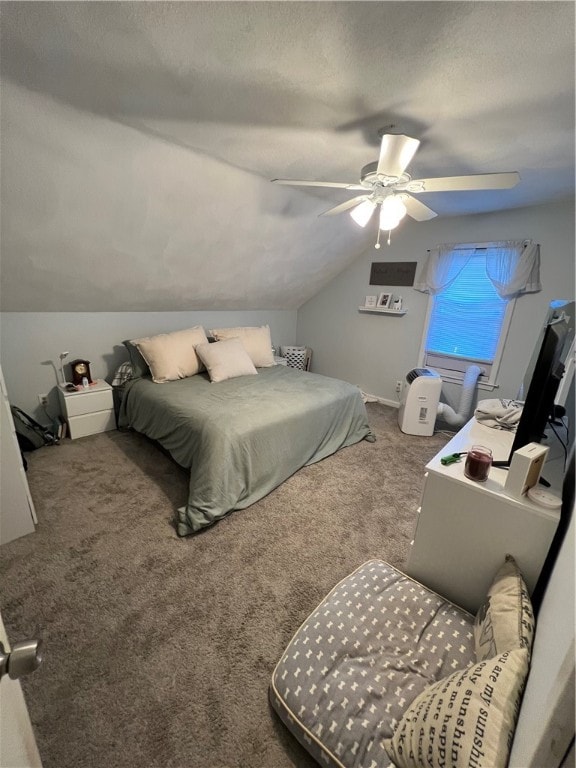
<point>467,316</point>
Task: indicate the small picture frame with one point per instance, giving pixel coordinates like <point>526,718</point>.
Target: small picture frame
<point>384,300</point>
<point>370,301</point>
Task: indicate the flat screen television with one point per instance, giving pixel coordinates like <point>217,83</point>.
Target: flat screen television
<point>542,381</point>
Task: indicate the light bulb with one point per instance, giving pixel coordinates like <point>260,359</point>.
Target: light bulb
<point>392,212</point>
<point>363,212</point>
<point>387,223</point>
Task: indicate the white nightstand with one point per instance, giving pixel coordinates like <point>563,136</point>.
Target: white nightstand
<point>88,411</point>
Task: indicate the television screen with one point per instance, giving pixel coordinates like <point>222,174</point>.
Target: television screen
<point>542,381</point>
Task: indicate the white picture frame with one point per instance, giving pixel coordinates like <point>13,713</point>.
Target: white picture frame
<point>370,301</point>
<point>384,300</point>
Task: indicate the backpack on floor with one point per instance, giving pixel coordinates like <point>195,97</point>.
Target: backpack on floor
<point>31,435</point>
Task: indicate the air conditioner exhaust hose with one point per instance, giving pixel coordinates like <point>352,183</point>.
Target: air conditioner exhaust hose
<point>457,419</point>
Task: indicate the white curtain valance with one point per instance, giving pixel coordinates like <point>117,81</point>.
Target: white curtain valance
<point>512,266</point>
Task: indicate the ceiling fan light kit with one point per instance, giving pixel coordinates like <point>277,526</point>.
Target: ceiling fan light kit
<point>363,213</point>
<point>386,184</point>
<point>392,211</point>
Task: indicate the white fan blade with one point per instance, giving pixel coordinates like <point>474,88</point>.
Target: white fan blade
<point>345,206</point>
<point>463,183</point>
<point>335,184</point>
<point>396,151</point>
<point>416,209</point>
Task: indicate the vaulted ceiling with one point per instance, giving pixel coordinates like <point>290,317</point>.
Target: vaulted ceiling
<point>139,139</point>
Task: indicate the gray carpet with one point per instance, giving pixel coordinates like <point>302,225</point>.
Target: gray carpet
<point>158,649</point>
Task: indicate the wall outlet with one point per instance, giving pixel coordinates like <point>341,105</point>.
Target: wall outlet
<point>43,399</point>
<point>398,386</point>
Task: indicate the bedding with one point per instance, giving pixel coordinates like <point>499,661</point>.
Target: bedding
<point>256,340</point>
<point>139,365</point>
<point>171,356</point>
<point>243,437</point>
<point>226,360</point>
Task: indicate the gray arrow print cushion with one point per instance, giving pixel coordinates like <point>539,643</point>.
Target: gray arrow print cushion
<point>360,659</point>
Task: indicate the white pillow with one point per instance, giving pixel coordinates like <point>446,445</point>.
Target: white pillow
<point>257,342</point>
<point>226,360</point>
<point>172,356</point>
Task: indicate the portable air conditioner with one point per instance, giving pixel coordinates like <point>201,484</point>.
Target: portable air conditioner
<point>419,402</point>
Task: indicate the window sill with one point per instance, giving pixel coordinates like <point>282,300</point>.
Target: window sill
<point>481,384</point>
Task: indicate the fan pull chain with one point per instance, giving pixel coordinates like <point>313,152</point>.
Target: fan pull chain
<point>378,239</point>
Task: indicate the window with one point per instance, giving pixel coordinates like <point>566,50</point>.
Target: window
<point>467,320</point>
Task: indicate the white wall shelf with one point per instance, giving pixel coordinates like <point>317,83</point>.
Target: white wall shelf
<point>382,310</point>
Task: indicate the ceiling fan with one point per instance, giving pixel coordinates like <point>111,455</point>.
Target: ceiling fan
<point>386,184</point>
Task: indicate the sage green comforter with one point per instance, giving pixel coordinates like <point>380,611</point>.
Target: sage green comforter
<point>242,437</point>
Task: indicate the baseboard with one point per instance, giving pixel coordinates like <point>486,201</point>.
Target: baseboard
<point>383,400</point>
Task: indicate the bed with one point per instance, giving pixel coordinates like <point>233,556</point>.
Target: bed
<point>244,436</point>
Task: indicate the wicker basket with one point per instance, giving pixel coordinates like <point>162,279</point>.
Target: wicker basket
<point>297,357</point>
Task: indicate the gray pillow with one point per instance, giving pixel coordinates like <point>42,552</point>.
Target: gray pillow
<point>140,367</point>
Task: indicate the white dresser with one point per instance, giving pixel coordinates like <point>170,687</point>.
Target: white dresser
<point>464,529</point>
<point>88,411</point>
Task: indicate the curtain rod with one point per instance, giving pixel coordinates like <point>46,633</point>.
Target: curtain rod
<point>481,246</point>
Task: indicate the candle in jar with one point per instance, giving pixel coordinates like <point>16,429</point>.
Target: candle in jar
<point>478,463</point>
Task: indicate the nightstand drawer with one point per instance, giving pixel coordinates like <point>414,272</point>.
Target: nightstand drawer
<point>88,402</point>
<point>91,424</point>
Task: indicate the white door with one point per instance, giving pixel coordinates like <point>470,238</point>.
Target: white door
<point>17,514</point>
<point>17,743</point>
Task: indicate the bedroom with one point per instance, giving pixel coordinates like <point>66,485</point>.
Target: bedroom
<point>136,167</point>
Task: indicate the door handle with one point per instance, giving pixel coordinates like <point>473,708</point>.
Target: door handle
<point>24,658</point>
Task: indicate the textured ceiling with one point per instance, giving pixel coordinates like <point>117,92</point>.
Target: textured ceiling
<point>138,139</point>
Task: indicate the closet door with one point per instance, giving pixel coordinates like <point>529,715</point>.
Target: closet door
<point>17,514</point>
<point>17,743</point>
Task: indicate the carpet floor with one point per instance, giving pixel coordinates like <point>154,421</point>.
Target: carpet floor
<point>159,650</point>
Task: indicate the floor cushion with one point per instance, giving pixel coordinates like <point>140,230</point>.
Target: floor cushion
<point>361,658</point>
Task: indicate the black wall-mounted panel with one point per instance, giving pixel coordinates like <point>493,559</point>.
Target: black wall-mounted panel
<point>393,272</point>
